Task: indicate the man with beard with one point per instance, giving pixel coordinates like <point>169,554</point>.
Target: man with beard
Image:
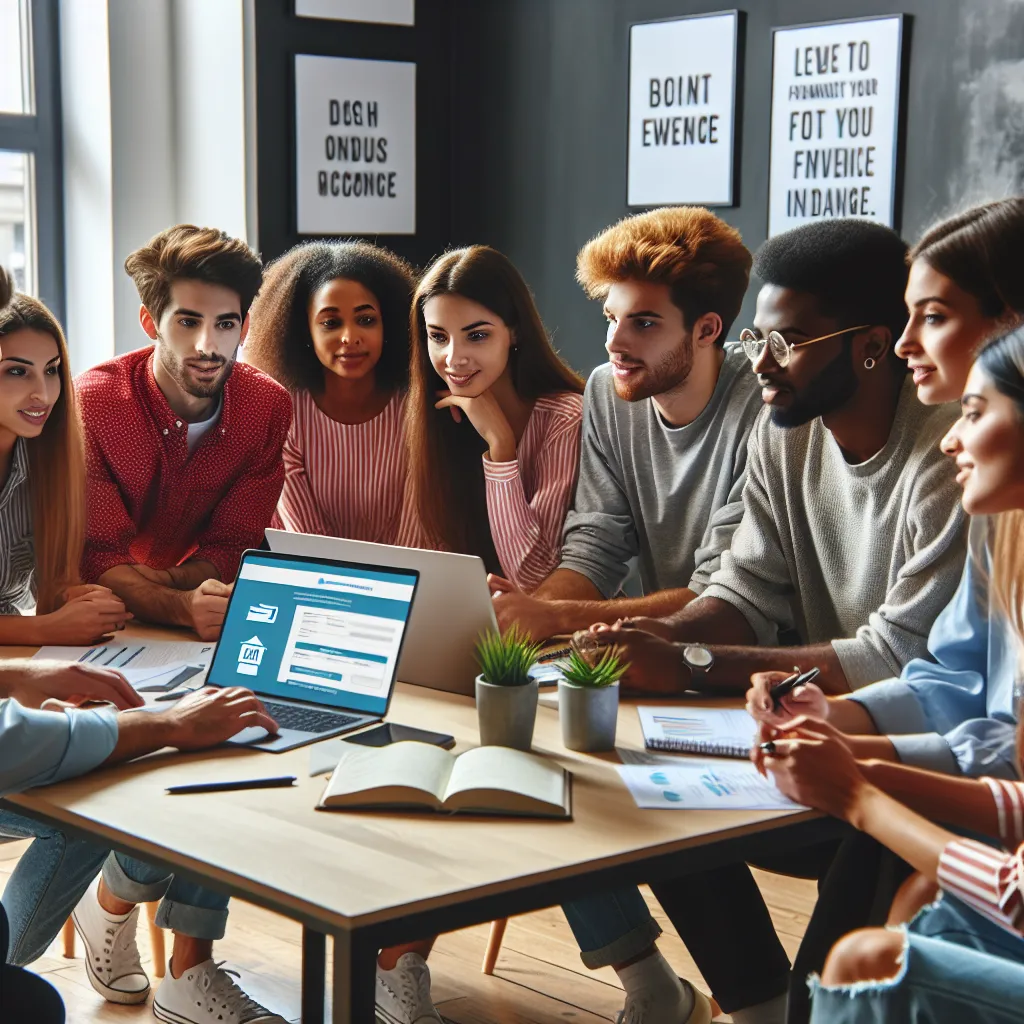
<point>665,425</point>
<point>852,536</point>
<point>183,443</point>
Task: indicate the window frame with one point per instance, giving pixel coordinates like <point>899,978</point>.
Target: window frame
<point>39,134</point>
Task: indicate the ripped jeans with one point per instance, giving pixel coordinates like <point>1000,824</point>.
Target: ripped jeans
<point>958,968</point>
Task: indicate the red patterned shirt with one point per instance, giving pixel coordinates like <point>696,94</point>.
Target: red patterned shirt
<point>150,501</point>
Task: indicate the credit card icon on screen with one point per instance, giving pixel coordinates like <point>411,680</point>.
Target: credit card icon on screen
<point>262,613</point>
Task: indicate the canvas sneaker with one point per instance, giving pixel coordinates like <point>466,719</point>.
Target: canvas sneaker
<point>111,952</point>
<point>640,1006</point>
<point>403,994</point>
<point>208,994</point>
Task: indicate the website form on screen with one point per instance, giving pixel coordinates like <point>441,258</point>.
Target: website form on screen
<point>319,632</point>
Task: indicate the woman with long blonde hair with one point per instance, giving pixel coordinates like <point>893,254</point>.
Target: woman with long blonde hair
<point>42,490</point>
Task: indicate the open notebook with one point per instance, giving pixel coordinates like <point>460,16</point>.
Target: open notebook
<point>485,780</point>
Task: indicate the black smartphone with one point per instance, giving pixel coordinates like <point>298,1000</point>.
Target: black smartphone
<point>390,732</point>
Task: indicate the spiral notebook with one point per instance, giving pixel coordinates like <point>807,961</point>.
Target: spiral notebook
<point>681,729</point>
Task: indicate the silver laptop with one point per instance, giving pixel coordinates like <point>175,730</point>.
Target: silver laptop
<point>453,605</point>
<point>318,639</point>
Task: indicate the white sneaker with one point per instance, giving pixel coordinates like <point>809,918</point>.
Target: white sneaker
<point>403,994</point>
<point>207,994</point>
<point>643,1007</point>
<point>111,952</point>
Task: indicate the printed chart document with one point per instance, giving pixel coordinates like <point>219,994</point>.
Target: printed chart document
<point>157,666</point>
<point>703,785</point>
<point>679,728</point>
<point>485,780</point>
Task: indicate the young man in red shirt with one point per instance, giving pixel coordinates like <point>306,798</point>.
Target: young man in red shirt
<point>183,444</point>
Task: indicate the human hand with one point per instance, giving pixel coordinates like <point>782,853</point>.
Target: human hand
<point>81,590</point>
<point>655,665</point>
<point>212,715</point>
<point>87,618</point>
<point>33,682</point>
<point>487,419</point>
<point>808,700</point>
<point>656,627</point>
<point>208,604</point>
<point>533,614</point>
<point>812,765</point>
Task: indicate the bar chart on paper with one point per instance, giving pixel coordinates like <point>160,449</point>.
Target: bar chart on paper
<point>702,785</point>
<point>722,732</point>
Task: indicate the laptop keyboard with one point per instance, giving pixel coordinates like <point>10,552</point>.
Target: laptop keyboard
<point>293,716</point>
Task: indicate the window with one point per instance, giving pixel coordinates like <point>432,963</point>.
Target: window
<point>31,208</point>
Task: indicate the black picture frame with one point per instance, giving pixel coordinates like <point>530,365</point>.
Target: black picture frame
<point>899,127</point>
<point>739,46</point>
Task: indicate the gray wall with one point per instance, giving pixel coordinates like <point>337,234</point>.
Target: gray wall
<point>539,94</point>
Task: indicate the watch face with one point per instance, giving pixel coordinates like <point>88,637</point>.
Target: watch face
<point>698,657</point>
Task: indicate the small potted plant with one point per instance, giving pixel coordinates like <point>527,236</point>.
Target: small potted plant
<point>588,698</point>
<point>506,695</point>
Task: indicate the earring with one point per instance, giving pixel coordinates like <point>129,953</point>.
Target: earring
<point>869,363</point>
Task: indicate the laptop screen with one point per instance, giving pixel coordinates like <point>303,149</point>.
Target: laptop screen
<point>316,630</point>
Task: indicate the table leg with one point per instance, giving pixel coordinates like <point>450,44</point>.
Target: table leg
<point>314,971</point>
<point>355,973</point>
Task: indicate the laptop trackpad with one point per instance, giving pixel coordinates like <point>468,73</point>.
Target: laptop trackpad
<point>263,740</point>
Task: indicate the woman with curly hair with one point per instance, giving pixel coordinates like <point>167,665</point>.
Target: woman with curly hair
<point>331,324</point>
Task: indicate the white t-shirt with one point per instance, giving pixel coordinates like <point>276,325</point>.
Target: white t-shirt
<point>197,431</point>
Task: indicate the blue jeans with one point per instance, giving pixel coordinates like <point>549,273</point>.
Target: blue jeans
<point>958,968</point>
<point>611,927</point>
<point>56,870</point>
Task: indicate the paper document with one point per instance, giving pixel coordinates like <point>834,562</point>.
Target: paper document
<point>703,785</point>
<point>154,667</point>
<point>159,654</point>
<point>722,732</point>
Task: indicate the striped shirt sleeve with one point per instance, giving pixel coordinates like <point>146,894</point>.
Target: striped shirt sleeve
<point>527,530</point>
<point>1009,801</point>
<point>298,509</point>
<point>986,879</point>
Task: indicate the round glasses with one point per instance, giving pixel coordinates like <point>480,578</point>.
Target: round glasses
<point>781,349</point>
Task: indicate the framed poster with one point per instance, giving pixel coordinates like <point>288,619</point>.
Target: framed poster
<point>387,12</point>
<point>355,146</point>
<point>835,121</point>
<point>682,110</point>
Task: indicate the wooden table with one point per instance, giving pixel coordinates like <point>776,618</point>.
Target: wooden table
<point>375,879</point>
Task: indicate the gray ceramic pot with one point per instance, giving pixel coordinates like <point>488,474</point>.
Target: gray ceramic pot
<point>506,714</point>
<point>588,715</point>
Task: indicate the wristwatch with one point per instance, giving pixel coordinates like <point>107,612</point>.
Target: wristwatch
<point>699,660</point>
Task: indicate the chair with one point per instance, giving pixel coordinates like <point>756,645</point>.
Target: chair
<point>156,940</point>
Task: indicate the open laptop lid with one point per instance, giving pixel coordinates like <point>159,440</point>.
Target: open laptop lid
<point>316,630</point>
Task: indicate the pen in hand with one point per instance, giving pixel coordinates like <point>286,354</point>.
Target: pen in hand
<point>790,683</point>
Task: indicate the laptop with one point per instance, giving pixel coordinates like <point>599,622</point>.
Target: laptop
<point>453,605</point>
<point>317,639</point>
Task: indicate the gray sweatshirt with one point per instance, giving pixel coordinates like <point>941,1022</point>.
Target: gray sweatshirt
<point>865,556</point>
<point>670,495</point>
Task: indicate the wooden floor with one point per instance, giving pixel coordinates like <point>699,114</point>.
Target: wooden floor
<point>538,980</point>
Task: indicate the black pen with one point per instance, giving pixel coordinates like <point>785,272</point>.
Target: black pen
<point>216,787</point>
<point>790,683</point>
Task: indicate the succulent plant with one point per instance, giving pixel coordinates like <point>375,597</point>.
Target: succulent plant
<point>506,660</point>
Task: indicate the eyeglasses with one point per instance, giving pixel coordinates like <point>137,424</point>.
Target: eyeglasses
<point>781,349</point>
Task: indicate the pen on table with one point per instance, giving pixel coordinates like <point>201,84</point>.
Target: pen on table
<point>217,787</point>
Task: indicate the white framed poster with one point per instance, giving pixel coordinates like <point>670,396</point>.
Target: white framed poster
<point>387,12</point>
<point>835,121</point>
<point>682,110</point>
<point>355,146</point>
